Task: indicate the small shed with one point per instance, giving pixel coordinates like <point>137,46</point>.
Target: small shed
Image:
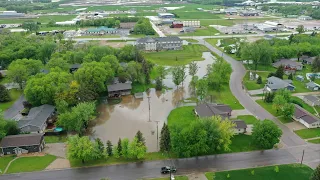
<point>119,89</point>
<point>300,78</point>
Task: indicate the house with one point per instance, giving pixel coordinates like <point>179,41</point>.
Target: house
<point>305,18</point>
<point>159,43</point>
<point>305,118</point>
<point>22,143</point>
<point>300,78</point>
<point>231,11</point>
<point>312,86</point>
<point>209,110</point>
<point>275,83</point>
<point>312,100</point>
<point>37,119</point>
<point>307,59</point>
<point>240,126</point>
<point>3,73</point>
<point>100,31</point>
<point>116,90</point>
<point>288,64</point>
<point>166,15</point>
<point>127,25</point>
<point>177,24</point>
<point>74,67</point>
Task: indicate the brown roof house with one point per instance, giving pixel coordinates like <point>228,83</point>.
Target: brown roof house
<point>209,110</point>
<point>119,89</point>
<point>305,118</point>
<point>289,66</point>
<point>21,144</point>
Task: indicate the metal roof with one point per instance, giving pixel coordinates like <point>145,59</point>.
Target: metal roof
<point>208,110</point>
<point>240,124</point>
<point>119,87</point>
<point>277,83</point>
<point>21,140</point>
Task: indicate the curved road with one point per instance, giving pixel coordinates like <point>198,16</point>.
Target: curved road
<point>288,138</point>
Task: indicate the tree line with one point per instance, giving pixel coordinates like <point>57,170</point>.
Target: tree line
<point>109,22</point>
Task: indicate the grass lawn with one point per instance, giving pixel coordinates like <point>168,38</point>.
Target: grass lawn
<point>260,67</point>
<point>167,178</point>
<point>306,106</point>
<point>137,87</point>
<point>315,141</point>
<point>204,31</point>
<point>41,19</point>
<point>249,119</point>
<point>308,133</point>
<point>112,160</point>
<point>45,28</point>
<point>28,164</point>
<point>192,40</point>
<point>242,143</point>
<point>252,85</point>
<point>225,96</point>
<point>55,139</point>
<point>227,41</point>
<point>181,116</point>
<point>267,106</point>
<point>142,35</point>
<point>290,171</point>
<point>196,15</point>
<point>14,94</point>
<point>221,22</point>
<point>174,58</point>
<point>4,161</point>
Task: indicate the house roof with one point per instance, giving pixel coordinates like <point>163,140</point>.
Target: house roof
<point>312,84</point>
<point>286,62</point>
<point>240,124</point>
<point>102,28</point>
<point>208,110</point>
<point>308,59</point>
<point>45,71</point>
<point>75,66</point>
<point>277,83</point>
<point>119,87</point>
<point>158,39</point>
<point>37,116</point>
<point>300,113</point>
<point>21,140</point>
<point>311,98</point>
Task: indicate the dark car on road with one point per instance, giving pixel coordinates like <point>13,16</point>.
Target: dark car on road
<point>167,169</point>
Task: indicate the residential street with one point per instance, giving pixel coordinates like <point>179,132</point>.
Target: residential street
<point>289,138</point>
<point>184,166</point>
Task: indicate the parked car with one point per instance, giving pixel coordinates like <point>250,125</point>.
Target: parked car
<point>167,169</point>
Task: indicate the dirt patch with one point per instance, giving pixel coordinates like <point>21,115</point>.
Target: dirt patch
<point>32,154</point>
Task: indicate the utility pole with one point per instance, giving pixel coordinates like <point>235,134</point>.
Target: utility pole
<point>302,157</point>
<point>157,135</point>
<point>149,108</point>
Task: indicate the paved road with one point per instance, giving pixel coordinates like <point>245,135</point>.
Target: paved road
<point>184,166</point>
<point>289,138</point>
<point>15,109</point>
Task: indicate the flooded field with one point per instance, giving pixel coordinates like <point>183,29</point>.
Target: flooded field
<point>123,120</point>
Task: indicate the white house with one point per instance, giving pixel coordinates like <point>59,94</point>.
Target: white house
<point>305,118</point>
<point>240,126</point>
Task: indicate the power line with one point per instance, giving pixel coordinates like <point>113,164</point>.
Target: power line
<point>149,108</point>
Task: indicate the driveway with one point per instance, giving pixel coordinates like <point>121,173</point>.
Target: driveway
<point>56,149</point>
<point>288,137</point>
<point>235,113</point>
<point>295,125</point>
<point>255,92</point>
<point>14,111</point>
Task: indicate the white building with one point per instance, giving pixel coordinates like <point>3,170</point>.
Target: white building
<point>305,118</point>
<point>304,18</point>
<point>191,24</point>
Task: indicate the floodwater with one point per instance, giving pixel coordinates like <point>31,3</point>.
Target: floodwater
<point>123,120</point>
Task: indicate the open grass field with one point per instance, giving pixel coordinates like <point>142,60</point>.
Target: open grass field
<point>95,37</point>
<point>242,143</point>
<point>225,96</point>
<point>137,87</point>
<point>45,28</point>
<point>196,15</point>
<point>267,106</point>
<point>14,94</point>
<point>142,35</point>
<point>181,57</point>
<point>290,171</point>
<point>249,119</point>
<point>166,178</point>
<point>314,141</point>
<point>181,116</point>
<point>252,84</point>
<point>55,139</point>
<point>4,161</point>
<point>308,133</point>
<point>41,19</point>
<point>28,164</point>
<point>204,31</point>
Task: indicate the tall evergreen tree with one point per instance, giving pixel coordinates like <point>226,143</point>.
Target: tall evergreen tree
<point>109,148</point>
<point>140,138</point>
<point>165,138</point>
<point>119,147</point>
<point>316,174</point>
<point>280,72</point>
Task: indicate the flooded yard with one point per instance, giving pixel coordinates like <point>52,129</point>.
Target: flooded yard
<point>123,120</point>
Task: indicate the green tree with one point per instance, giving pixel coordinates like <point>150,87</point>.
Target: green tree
<point>78,118</point>
<point>100,148</point>
<point>119,147</point>
<point>161,72</point>
<point>117,23</point>
<point>276,169</point>
<point>316,65</point>
<point>11,127</point>
<point>58,62</point>
<point>193,68</point>
<point>140,138</point>
<point>113,61</point>
<point>4,94</point>
<point>316,174</point>
<point>278,103</point>
<point>94,75</point>
<point>219,74</point>
<point>300,29</point>
<point>285,93</point>
<point>109,148</point>
<point>176,76</point>
<point>46,50</point>
<point>62,106</point>
<point>287,111</point>
<point>202,88</point>
<point>165,139</point>
<point>115,152</point>
<point>125,148</point>
<point>81,148</point>
<point>158,84</point>
<point>136,149</point>
<point>182,73</point>
<point>280,72</point>
<point>30,26</point>
<point>290,76</point>
<point>265,134</point>
<point>259,80</point>
<point>134,70</point>
<point>268,97</point>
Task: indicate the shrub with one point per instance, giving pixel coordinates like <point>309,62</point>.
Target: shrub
<point>259,80</point>
<point>271,74</point>
<point>297,102</point>
<point>290,76</point>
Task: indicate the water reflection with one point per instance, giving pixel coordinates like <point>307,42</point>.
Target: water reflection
<point>125,119</point>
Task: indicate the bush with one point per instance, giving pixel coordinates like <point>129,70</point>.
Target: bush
<point>271,74</point>
<point>290,76</point>
<point>259,80</point>
<point>297,102</point>
<point>268,97</point>
<point>4,94</point>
